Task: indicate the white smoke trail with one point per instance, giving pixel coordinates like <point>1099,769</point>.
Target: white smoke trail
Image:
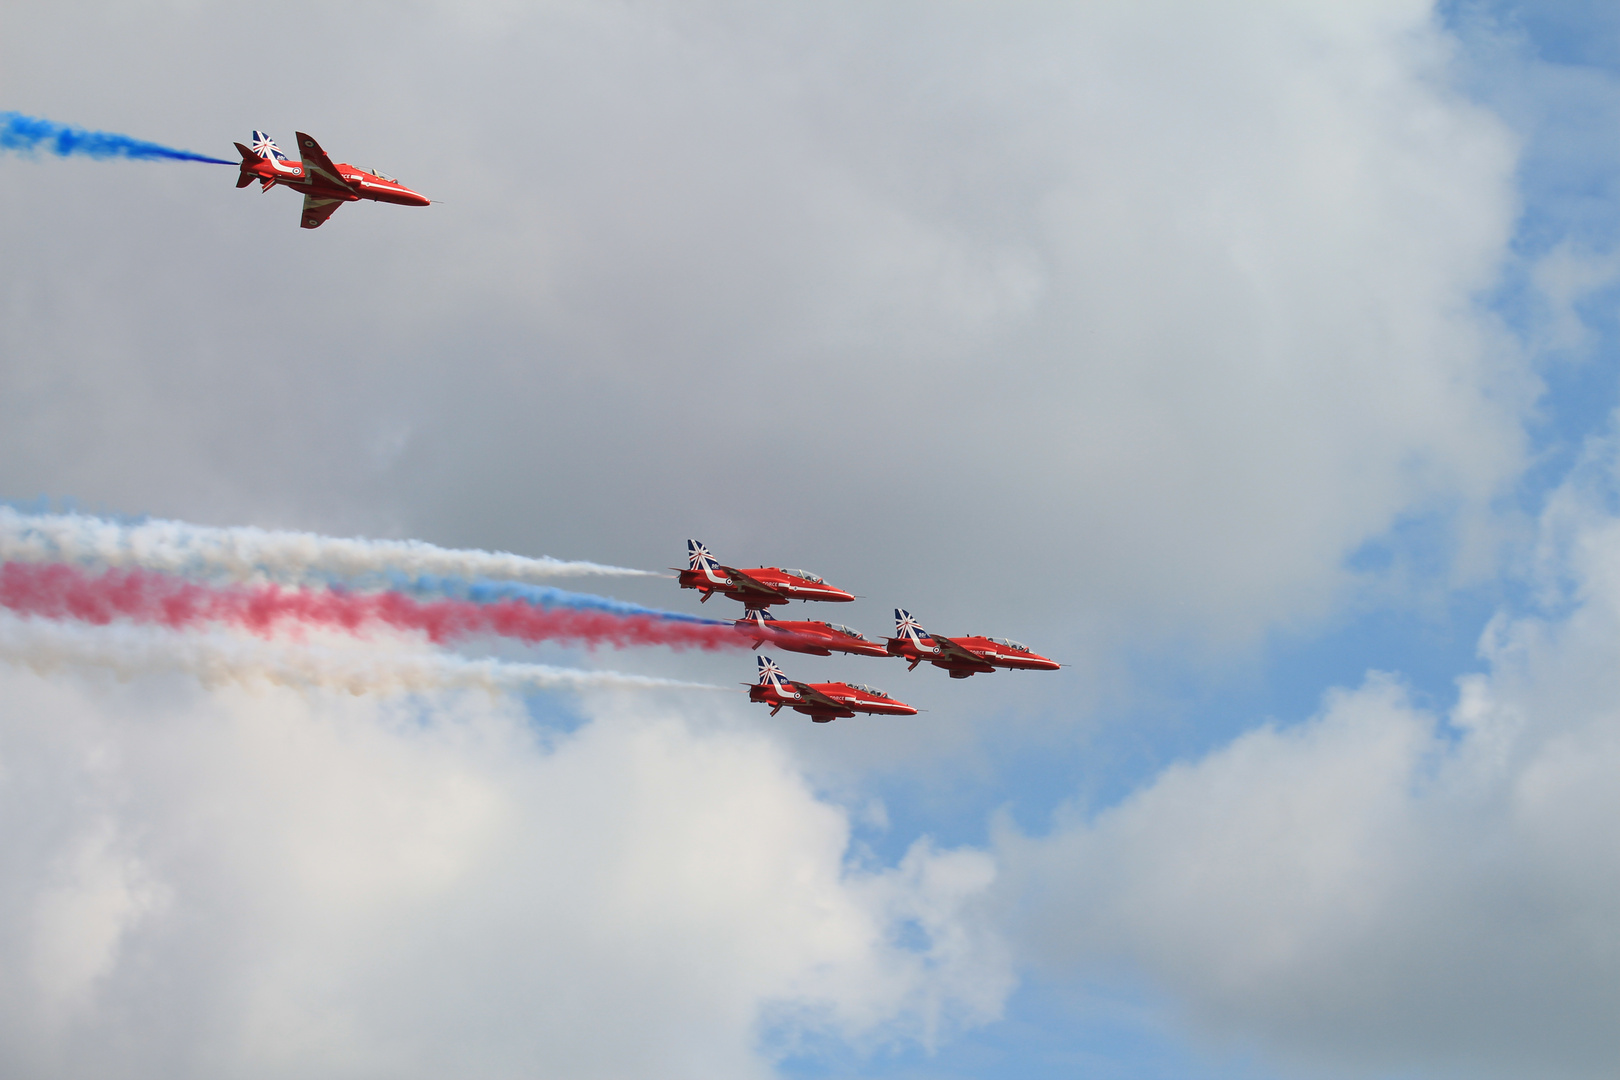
<point>252,554</point>
<point>48,646</point>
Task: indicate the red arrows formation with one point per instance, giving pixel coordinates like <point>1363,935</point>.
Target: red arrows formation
<point>762,586</point>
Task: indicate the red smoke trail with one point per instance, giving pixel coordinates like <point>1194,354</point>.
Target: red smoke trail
<point>61,591</point>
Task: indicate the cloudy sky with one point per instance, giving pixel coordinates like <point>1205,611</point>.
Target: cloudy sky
<point>1256,359</point>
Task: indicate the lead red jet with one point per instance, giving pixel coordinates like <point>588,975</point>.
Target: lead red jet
<point>961,656</point>
<point>814,637</point>
<point>821,702</point>
<point>757,588</point>
<point>325,185</point>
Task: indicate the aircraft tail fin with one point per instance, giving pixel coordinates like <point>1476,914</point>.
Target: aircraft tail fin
<point>699,558</point>
<point>907,627</point>
<point>769,673</point>
<point>264,146</point>
<point>756,623</point>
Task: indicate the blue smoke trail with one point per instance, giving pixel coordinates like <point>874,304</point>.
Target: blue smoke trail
<point>29,133</point>
<point>483,591</point>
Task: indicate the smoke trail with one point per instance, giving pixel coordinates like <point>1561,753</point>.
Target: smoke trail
<point>62,591</point>
<point>484,591</point>
<point>30,133</point>
<point>217,658</point>
<point>251,554</point>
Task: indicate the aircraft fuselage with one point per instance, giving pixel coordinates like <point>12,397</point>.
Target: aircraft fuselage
<point>361,184</point>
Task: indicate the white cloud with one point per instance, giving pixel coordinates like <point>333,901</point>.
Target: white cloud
<point>228,884</point>
<point>91,898</point>
<point>1563,278</point>
<point>1381,887</point>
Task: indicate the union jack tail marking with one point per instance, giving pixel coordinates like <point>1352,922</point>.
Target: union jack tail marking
<point>266,147</point>
<point>907,627</point>
<point>699,558</point>
<point>769,673</point>
<point>701,562</point>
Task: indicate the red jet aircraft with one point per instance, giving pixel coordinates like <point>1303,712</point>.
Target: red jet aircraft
<point>961,656</point>
<point>821,702</point>
<point>325,185</point>
<point>816,638</point>
<point>756,588</point>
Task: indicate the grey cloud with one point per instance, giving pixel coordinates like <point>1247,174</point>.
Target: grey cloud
<point>1169,307</point>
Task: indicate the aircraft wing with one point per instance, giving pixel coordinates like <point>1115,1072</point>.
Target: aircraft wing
<point>812,696</point>
<point>754,586</point>
<point>317,209</point>
<point>317,164</point>
<point>950,650</point>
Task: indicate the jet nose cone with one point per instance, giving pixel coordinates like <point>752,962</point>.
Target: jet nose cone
<point>840,595</point>
<point>1047,665</point>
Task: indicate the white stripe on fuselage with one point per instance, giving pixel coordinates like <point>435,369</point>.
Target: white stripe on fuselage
<point>365,180</point>
<point>916,640</point>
